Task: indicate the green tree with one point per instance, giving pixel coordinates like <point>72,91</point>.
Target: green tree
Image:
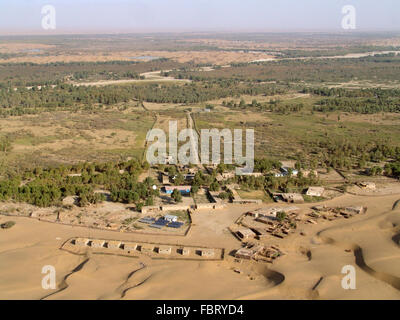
<point>281,216</point>
<point>176,195</point>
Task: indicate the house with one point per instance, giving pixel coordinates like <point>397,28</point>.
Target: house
<point>165,179</point>
<point>181,189</point>
<point>170,218</point>
<point>98,244</point>
<point>265,220</point>
<point>288,197</point>
<point>254,214</point>
<point>245,233</point>
<point>263,213</point>
<point>214,196</point>
<point>244,253</point>
<point>82,242</point>
<point>315,191</point>
<point>114,245</point>
<point>130,247</point>
<point>164,250</point>
<point>147,248</point>
<point>207,252</point>
<point>184,251</point>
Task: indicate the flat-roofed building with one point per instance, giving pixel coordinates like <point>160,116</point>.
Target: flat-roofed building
<point>130,247</point>
<point>98,243</point>
<point>244,253</point>
<point>164,250</point>
<point>165,179</point>
<point>184,251</point>
<point>82,242</point>
<point>114,245</point>
<point>245,233</point>
<point>207,252</point>
<point>265,220</point>
<point>170,218</point>
<point>147,248</point>
<point>289,197</point>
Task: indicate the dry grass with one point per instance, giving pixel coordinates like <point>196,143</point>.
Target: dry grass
<point>65,137</point>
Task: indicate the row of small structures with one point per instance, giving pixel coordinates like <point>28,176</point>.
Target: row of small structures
<point>264,222</point>
<point>333,213</point>
<point>151,249</point>
<point>261,223</point>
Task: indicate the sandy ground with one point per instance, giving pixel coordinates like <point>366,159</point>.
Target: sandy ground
<point>311,268</point>
<point>215,57</point>
<point>153,76</point>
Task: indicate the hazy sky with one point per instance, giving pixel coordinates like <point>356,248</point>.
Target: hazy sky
<point>24,16</point>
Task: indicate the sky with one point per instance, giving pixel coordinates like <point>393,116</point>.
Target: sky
<point>120,16</point>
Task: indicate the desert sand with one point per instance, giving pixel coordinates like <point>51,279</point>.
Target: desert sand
<point>311,268</point>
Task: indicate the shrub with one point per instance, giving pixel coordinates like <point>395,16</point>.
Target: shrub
<point>281,216</point>
<point>7,225</point>
<point>176,195</point>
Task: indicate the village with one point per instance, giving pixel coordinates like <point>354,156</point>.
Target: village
<point>273,216</point>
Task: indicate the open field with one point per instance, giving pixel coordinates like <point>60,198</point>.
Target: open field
<point>66,137</point>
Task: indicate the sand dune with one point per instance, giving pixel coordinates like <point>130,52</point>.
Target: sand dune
<point>311,268</point>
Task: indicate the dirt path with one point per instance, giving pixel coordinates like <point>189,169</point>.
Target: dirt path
<point>193,139</point>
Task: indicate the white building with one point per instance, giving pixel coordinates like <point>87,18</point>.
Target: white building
<point>170,218</point>
<point>164,250</point>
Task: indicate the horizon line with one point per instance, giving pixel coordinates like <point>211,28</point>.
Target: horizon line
<point>282,31</point>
